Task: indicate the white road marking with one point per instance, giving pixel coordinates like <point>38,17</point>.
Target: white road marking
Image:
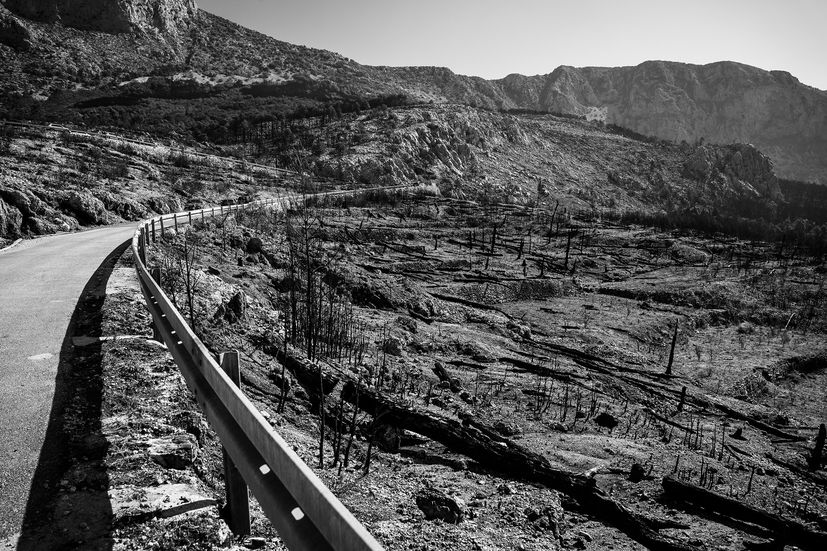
<point>40,357</point>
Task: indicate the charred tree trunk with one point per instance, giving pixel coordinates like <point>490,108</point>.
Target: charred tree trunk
<point>818,450</point>
<point>672,350</point>
<point>788,531</point>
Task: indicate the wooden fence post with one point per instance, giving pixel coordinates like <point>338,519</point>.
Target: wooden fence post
<point>161,220</point>
<point>153,230</point>
<point>238,504</point>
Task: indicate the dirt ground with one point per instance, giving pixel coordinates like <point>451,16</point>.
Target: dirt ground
<point>555,328</point>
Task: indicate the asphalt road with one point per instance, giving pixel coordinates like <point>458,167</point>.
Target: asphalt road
<point>40,283</point>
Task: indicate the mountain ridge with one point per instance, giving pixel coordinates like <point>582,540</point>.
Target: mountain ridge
<point>722,102</point>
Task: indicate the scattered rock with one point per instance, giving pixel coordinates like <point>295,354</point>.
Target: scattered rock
<point>136,504</point>
<point>606,419</point>
<point>505,490</point>
<point>388,438</point>
<point>393,346</point>
<point>637,472</point>
<point>746,328</point>
<point>545,518</point>
<point>519,329</point>
<point>439,402</point>
<point>407,323</point>
<point>93,446</point>
<point>173,452</point>
<point>235,308</point>
<point>457,464</point>
<point>255,543</point>
<point>507,429</point>
<point>254,245</point>
<point>438,505</point>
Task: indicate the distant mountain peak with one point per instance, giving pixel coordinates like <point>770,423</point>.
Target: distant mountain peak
<point>110,16</point>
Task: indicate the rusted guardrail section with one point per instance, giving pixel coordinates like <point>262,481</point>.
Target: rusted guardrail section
<point>303,510</point>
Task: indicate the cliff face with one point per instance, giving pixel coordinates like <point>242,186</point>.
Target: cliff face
<point>721,102</point>
<point>111,16</point>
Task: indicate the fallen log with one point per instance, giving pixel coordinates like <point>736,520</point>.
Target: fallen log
<point>815,477</point>
<point>786,530</point>
<point>668,421</point>
<point>465,302</point>
<point>757,423</point>
<point>483,444</point>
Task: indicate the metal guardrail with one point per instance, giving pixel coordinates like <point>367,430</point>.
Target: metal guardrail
<point>303,510</point>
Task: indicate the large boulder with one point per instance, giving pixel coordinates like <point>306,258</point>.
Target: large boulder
<point>10,220</point>
<point>122,206</point>
<point>177,451</point>
<point>743,167</point>
<point>85,207</point>
<point>438,505</point>
<point>25,202</point>
<point>254,245</point>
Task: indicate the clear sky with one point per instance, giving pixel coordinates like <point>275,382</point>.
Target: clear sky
<point>492,38</point>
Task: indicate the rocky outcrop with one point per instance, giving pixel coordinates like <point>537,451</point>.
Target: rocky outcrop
<point>436,504</point>
<point>85,207</point>
<point>434,144</point>
<point>10,220</point>
<point>111,16</point>
<point>741,167</point>
<point>13,32</point>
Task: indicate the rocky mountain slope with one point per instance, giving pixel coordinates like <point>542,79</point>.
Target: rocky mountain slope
<point>171,67</point>
<point>57,180</point>
<point>721,102</point>
<point>522,158</point>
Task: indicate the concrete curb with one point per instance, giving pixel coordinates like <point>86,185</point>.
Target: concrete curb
<point>14,244</point>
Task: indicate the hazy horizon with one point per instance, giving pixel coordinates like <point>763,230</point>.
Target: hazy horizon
<point>492,40</point>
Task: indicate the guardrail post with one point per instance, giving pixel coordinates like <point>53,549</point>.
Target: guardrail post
<point>155,273</point>
<point>238,503</point>
<point>142,247</point>
<point>189,216</point>
<point>175,221</point>
<point>153,230</point>
<point>161,220</point>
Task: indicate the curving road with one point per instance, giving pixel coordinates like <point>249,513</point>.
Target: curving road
<point>40,283</point>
